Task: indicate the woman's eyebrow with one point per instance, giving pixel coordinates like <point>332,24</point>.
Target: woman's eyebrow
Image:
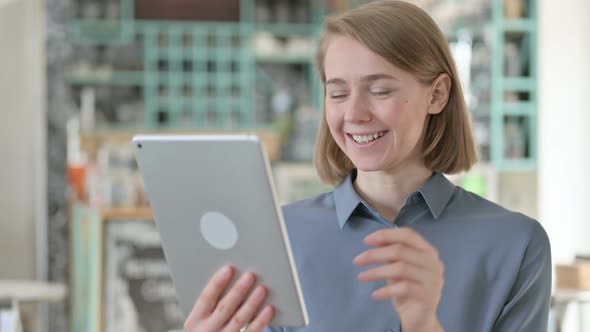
<point>337,81</point>
<point>376,77</point>
<point>367,78</point>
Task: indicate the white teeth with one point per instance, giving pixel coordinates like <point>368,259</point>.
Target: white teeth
<point>367,138</point>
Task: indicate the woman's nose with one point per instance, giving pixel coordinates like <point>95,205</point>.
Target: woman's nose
<point>357,110</point>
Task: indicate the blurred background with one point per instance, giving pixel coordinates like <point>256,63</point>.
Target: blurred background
<point>78,249</point>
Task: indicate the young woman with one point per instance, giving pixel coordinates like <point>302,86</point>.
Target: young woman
<point>395,246</point>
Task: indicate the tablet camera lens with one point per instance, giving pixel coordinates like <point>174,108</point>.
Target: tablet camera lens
<point>139,145</point>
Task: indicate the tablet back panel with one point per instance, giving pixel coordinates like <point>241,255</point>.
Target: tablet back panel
<point>213,202</point>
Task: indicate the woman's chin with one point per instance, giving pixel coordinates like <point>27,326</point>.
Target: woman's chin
<point>367,165</point>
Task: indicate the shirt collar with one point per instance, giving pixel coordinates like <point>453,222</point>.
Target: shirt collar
<point>346,199</point>
<point>437,192</point>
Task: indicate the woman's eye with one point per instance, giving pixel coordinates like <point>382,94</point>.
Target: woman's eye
<point>380,93</point>
<point>337,96</point>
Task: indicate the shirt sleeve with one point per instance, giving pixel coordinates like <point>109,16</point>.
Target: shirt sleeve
<point>273,329</point>
<point>527,307</point>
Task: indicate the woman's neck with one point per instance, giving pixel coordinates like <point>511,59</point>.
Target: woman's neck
<point>386,191</point>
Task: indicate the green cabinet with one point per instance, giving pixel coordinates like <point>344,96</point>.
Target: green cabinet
<point>514,85</point>
<point>192,74</point>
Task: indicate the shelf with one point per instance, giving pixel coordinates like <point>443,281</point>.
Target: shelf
<point>89,142</point>
<point>521,31</point>
<point>115,78</point>
<point>287,29</point>
<point>101,32</point>
<point>519,109</point>
<point>126,214</point>
<point>518,25</point>
<point>284,58</point>
<point>519,84</point>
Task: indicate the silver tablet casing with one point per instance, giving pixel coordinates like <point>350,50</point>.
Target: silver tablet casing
<point>186,176</point>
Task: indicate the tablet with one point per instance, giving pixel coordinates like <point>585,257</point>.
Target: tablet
<point>213,201</point>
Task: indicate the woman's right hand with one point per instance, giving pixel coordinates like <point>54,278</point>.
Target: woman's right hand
<point>238,308</point>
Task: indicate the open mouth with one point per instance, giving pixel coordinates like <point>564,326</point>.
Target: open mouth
<point>366,139</point>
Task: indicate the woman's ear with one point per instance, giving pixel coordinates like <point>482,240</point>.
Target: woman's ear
<point>441,89</point>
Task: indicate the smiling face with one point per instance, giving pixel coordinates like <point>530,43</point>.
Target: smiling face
<point>389,71</point>
<point>376,112</point>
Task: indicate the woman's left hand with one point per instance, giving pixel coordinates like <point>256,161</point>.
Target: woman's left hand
<point>413,272</point>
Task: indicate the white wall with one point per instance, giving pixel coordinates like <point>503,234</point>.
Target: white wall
<point>22,132</point>
<point>23,201</point>
<point>564,124</point>
<point>564,128</point>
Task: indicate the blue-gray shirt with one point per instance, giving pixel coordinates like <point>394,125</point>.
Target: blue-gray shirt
<point>497,262</point>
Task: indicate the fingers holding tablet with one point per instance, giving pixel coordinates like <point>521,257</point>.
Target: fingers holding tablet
<point>239,307</point>
<point>246,314</point>
<point>211,293</point>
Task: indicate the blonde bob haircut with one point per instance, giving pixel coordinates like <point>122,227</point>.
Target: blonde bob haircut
<point>408,38</point>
